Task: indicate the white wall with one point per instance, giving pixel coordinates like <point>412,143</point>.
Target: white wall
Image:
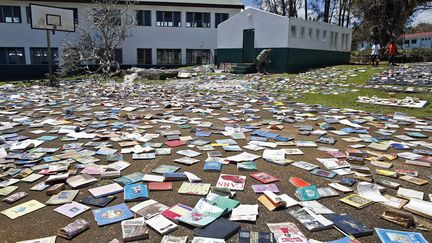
<point>273,30</point>
<point>319,43</point>
<point>21,35</point>
<point>425,43</point>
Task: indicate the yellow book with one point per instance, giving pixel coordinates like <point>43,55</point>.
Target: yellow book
<point>23,209</point>
<point>219,144</point>
<point>388,173</point>
<point>356,201</point>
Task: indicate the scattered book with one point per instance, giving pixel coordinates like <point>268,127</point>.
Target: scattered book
<point>247,166</point>
<point>134,229</point>
<point>97,201</point>
<point>246,236</point>
<point>113,214</point>
<point>207,211</point>
<point>73,229</point>
<point>106,190</point>
<point>176,211</point>
<point>356,201</point>
<point>287,232</point>
<point>396,236</point>
<point>220,229</point>
<point>63,197</point>
<point>265,187</point>
<point>232,182</point>
<point>307,193</point>
<point>149,208</point>
<point>264,177</point>
<point>174,239</point>
<point>212,166</point>
<point>71,209</point>
<point>135,192</point>
<point>348,225</point>
<point>161,224</point>
<point>200,189</point>
<point>311,221</point>
<point>160,186</point>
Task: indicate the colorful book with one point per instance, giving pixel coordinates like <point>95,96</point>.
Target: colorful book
<point>162,169</point>
<point>356,201</point>
<point>396,236</point>
<point>149,208</point>
<point>130,179</point>
<point>212,166</point>
<point>22,209</point>
<point>135,192</point>
<point>113,214</point>
<point>97,201</point>
<point>349,225</point>
<point>200,189</point>
<point>106,190</point>
<point>265,187</point>
<point>247,166</point>
<point>206,213</point>
<point>307,193</point>
<point>264,177</point>
<point>287,232</point>
<point>246,236</point>
<point>232,182</point>
<point>134,229</point>
<point>176,211</point>
<point>311,221</point>
<point>160,186</point>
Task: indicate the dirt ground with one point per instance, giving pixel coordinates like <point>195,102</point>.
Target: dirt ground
<point>45,222</point>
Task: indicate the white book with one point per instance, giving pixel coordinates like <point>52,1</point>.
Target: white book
<point>161,224</point>
<point>409,193</point>
<point>316,207</point>
<point>153,178</point>
<point>420,207</point>
<point>106,190</point>
<point>340,187</point>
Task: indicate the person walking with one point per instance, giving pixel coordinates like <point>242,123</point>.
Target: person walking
<point>375,53</point>
<point>392,51</point>
<point>263,59</point>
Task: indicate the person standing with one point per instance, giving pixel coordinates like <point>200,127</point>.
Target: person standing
<point>375,53</point>
<point>392,51</point>
<point>263,59</point>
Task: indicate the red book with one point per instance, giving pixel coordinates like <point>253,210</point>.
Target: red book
<point>337,154</point>
<point>160,186</point>
<point>297,182</point>
<point>176,211</point>
<point>264,177</point>
<point>174,143</point>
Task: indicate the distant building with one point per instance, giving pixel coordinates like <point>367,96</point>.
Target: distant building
<point>168,33</point>
<point>296,43</point>
<point>416,40</point>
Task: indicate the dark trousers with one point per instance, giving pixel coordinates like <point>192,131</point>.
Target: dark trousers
<point>261,66</point>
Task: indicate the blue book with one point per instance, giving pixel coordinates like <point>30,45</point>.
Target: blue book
<point>349,225</point>
<point>175,177</point>
<point>308,193</point>
<point>212,166</point>
<point>135,192</point>
<point>113,214</point>
<point>130,179</point>
<point>396,236</point>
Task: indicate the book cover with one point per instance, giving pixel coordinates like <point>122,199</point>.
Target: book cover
<point>212,166</point>
<point>396,236</point>
<point>202,214</point>
<point>176,211</point>
<point>307,193</point>
<point>162,169</point>
<point>247,165</point>
<point>106,190</point>
<point>149,208</point>
<point>349,225</point>
<point>246,236</point>
<point>97,201</point>
<point>130,179</point>
<point>174,239</point>
<point>264,177</point>
<point>71,209</point>
<point>311,221</point>
<point>62,197</point>
<point>160,186</point>
<point>134,229</point>
<point>175,177</point>
<point>221,228</point>
<point>113,214</point>
<point>161,224</point>
<point>200,189</point>
<point>22,209</point>
<point>232,182</point>
<point>287,232</point>
<point>135,192</point>
<point>265,187</point>
<point>222,202</point>
<point>356,201</point>
<point>323,173</point>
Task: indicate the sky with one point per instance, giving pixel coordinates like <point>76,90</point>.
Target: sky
<point>422,17</point>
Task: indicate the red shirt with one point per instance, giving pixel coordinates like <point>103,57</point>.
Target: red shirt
<point>392,49</point>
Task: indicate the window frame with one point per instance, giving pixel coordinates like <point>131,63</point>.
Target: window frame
<point>221,18</point>
<point>194,23</point>
<point>190,57</point>
<point>7,50</point>
<point>54,53</point>
<point>144,16</point>
<point>293,31</point>
<point>14,10</point>
<point>145,56</point>
<point>167,51</point>
<point>164,22</point>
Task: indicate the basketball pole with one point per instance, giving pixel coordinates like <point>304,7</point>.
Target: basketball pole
<point>51,77</point>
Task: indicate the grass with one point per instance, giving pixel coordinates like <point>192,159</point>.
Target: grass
<point>348,100</point>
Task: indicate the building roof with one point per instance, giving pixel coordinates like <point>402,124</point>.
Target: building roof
<point>193,3</point>
<point>417,35</point>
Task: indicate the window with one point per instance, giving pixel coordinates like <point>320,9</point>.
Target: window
<point>12,55</point>
<point>317,34</point>
<point>335,44</point>
<point>324,35</point>
<point>293,31</point>
<point>144,18</point>
<point>118,55</point>
<point>198,20</point>
<point>197,57</point>
<point>331,39</point>
<point>75,13</point>
<point>406,42</point>
<point>168,56</point>
<point>10,14</point>
<point>347,41</point>
<point>40,55</point>
<point>414,41</point>
<point>310,33</point>
<point>168,19</point>
<point>144,56</point>
<point>302,32</point>
<point>220,17</point>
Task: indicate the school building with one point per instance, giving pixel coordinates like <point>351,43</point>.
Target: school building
<point>167,33</point>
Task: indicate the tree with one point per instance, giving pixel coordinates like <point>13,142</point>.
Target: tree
<point>419,28</point>
<point>104,27</point>
<point>384,20</point>
<point>282,7</point>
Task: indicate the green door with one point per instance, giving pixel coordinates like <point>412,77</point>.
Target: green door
<point>248,45</point>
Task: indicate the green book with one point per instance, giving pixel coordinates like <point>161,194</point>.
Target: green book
<point>248,165</point>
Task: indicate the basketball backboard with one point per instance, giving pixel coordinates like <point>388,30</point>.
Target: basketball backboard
<point>52,18</point>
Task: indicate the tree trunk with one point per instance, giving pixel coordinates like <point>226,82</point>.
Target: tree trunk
<point>326,10</point>
<point>306,9</point>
